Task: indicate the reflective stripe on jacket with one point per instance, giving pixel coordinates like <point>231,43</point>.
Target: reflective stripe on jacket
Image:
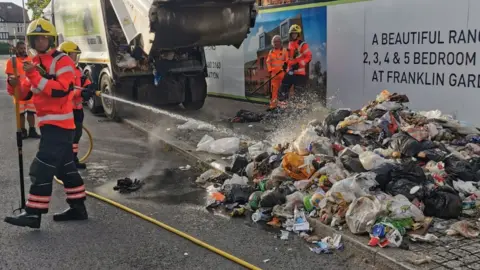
<point>275,60</point>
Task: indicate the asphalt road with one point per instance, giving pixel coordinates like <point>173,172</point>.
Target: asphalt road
<point>114,239</point>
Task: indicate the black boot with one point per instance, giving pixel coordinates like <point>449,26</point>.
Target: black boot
<point>32,133</point>
<point>25,220</point>
<point>75,212</point>
<point>24,133</point>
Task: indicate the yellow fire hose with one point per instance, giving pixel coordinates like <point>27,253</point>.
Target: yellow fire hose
<point>171,229</point>
<point>90,146</point>
<point>157,222</point>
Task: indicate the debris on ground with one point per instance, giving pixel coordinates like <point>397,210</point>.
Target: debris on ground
<point>127,185</point>
<point>383,170</point>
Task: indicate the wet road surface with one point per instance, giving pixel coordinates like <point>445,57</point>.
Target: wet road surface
<point>113,239</point>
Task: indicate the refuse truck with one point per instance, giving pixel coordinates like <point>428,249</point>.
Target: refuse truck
<point>149,51</point>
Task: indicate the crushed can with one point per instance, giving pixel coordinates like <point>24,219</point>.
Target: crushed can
<point>237,212</point>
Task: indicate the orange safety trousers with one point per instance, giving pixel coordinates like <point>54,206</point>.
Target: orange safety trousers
<point>276,83</point>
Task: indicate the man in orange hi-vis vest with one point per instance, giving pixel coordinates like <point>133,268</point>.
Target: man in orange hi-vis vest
<point>299,56</point>
<point>51,81</point>
<point>27,109</point>
<point>276,65</point>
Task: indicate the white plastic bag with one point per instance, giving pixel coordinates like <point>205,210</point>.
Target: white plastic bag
<point>236,180</point>
<point>466,188</point>
<point>192,124</point>
<point>302,184</point>
<point>257,149</point>
<point>205,142</point>
<point>371,161</point>
<point>225,146</point>
<point>333,171</point>
<point>302,145</point>
<point>399,207</point>
<point>323,146</point>
<point>388,106</point>
<point>434,114</point>
<point>362,213</point>
<point>353,187</point>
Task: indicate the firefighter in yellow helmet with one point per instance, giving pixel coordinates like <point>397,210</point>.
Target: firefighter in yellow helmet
<point>299,56</point>
<point>82,92</point>
<point>51,76</point>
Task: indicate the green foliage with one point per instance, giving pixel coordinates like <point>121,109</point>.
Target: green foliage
<point>37,7</point>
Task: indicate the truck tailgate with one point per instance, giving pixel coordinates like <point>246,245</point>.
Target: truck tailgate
<point>185,23</point>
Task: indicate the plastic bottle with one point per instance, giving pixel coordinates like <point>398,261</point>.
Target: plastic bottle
<point>260,216</point>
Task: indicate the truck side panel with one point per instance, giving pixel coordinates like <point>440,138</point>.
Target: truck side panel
<point>82,22</point>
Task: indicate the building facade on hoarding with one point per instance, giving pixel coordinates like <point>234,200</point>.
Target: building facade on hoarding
<point>242,81</point>
<point>11,22</point>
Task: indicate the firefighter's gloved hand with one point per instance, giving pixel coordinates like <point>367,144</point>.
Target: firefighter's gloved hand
<point>87,94</point>
<point>285,66</point>
<point>295,67</point>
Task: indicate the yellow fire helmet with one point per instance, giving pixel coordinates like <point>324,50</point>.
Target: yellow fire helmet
<point>42,27</point>
<point>295,29</point>
<point>69,47</point>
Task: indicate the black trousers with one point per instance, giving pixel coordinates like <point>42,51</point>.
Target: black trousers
<point>54,158</point>
<point>298,81</point>
<point>78,118</point>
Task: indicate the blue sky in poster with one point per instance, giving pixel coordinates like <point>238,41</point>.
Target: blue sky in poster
<point>314,27</point>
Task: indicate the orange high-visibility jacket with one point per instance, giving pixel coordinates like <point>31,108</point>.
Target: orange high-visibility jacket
<point>80,83</point>
<point>275,60</point>
<point>51,93</point>
<point>25,105</point>
<point>299,53</point>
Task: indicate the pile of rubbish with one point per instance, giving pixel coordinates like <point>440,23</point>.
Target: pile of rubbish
<point>383,171</point>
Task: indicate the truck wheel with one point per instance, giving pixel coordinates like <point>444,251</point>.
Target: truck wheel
<point>195,93</point>
<point>109,105</point>
<point>94,104</point>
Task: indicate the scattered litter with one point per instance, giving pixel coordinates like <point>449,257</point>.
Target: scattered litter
<point>423,238</point>
<point>284,235</point>
<point>185,254</point>
<point>419,261</point>
<point>185,168</point>
<point>266,260</point>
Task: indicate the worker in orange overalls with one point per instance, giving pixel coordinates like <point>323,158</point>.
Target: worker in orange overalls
<point>26,107</point>
<point>81,83</point>
<point>51,81</point>
<point>299,56</point>
<point>276,65</point>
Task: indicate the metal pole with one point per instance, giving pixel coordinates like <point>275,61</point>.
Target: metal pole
<point>53,13</point>
<point>24,22</point>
